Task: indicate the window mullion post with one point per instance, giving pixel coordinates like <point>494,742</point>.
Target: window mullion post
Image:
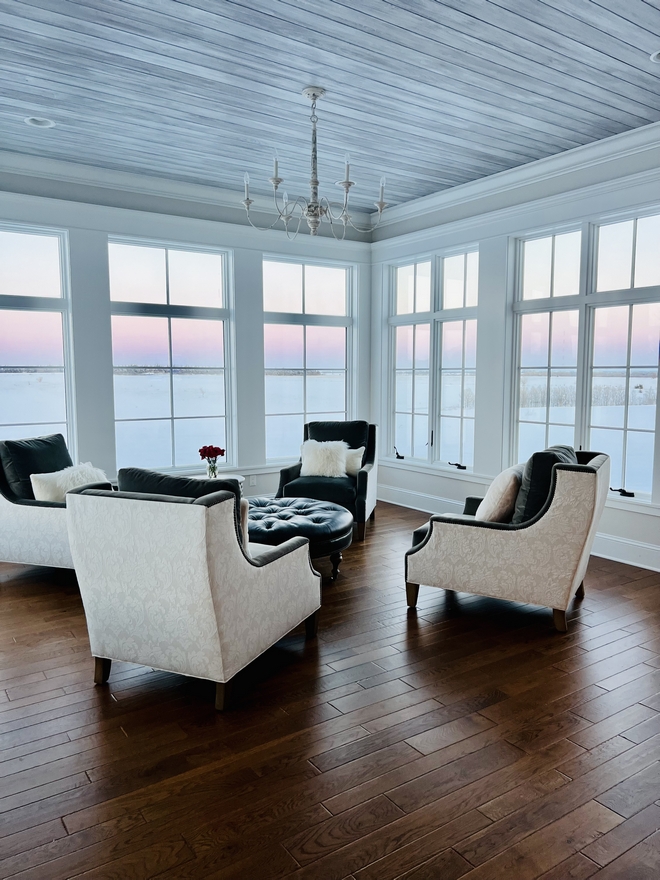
<point>435,383</point>
<point>551,324</point>
<point>435,357</point>
<point>627,398</point>
<point>585,330</point>
<point>582,385</point>
<point>655,487</point>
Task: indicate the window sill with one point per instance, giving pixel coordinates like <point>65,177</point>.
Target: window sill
<point>633,505</point>
<point>437,470</point>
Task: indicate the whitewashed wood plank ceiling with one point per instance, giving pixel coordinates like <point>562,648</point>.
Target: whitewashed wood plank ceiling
<point>430,93</point>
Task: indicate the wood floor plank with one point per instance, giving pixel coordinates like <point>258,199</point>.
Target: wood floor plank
<point>626,835</point>
<point>466,740</point>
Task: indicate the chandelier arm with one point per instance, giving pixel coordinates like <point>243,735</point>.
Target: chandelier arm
<point>328,209</point>
<point>261,228</point>
<point>334,234</point>
<point>369,228</point>
<point>295,234</point>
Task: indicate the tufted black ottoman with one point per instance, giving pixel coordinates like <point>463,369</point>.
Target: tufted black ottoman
<point>328,526</point>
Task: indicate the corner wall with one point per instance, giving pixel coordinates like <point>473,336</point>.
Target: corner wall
<point>598,182</point>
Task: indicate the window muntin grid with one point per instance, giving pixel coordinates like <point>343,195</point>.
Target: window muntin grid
<point>307,350</point>
<point>35,377</point>
<point>169,333</point>
<point>433,359</point>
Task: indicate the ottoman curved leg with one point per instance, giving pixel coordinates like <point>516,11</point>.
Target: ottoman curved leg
<point>335,559</point>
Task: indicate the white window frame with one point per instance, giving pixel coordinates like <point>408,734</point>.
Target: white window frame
<point>585,302</point>
<point>310,320</point>
<point>12,302</point>
<point>436,317</point>
<point>224,314</point>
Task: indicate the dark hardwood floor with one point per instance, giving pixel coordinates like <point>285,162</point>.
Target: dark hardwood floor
<point>467,740</point>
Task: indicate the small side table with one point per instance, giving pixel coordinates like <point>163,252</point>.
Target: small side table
<point>240,479</point>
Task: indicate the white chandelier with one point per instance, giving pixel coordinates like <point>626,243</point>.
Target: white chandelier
<point>314,210</point>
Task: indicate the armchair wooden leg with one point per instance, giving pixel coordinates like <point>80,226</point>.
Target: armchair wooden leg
<point>559,618</point>
<point>361,530</point>
<point>372,515</point>
<point>312,626</point>
<point>579,594</point>
<point>223,694</point>
<point>412,592</point>
<point>101,670</point>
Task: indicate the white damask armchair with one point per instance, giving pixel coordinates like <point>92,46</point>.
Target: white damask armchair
<point>33,532</point>
<point>541,561</point>
<point>165,582</point>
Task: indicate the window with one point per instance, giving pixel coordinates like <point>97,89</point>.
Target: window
<point>551,266</point>
<point>588,364</point>
<point>307,337</point>
<point>625,352</point>
<point>548,380</point>
<point>33,328</point>
<point>624,387</point>
<point>434,394</point>
<point>169,328</point>
<point>548,342</point>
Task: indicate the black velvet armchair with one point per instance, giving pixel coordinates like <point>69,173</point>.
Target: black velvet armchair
<point>357,494</point>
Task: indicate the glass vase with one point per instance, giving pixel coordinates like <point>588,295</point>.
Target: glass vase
<point>212,468</point>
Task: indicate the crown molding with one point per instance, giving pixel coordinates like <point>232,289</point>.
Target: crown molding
<point>634,191</point>
<point>637,150</point>
<point>92,180</point>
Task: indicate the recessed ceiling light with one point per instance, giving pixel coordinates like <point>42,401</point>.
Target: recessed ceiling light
<point>39,122</point>
<point>655,57</point>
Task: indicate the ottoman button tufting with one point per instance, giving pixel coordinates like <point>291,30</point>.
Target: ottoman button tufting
<point>328,526</point>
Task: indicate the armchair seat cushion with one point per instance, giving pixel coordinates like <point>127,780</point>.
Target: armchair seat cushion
<point>338,490</point>
<point>35,455</point>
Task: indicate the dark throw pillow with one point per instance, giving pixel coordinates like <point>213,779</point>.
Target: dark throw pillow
<point>536,480</point>
<point>34,455</point>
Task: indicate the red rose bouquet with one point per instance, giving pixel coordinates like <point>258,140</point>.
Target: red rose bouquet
<point>211,454</point>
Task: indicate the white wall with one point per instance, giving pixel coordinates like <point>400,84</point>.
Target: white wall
<point>535,198</point>
<point>88,227</point>
<point>590,183</point>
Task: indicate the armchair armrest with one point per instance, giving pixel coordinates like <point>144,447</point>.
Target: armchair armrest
<point>31,502</point>
<point>363,478</point>
<point>288,474</point>
<point>106,485</point>
<point>471,505</point>
<point>267,556</point>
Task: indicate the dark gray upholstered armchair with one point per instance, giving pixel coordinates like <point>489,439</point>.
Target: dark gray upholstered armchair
<point>357,494</point>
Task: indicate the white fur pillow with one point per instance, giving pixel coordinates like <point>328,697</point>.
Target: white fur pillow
<point>54,486</point>
<point>354,461</point>
<point>500,500</point>
<point>323,459</point>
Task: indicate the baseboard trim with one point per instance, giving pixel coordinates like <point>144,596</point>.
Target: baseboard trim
<point>625,550</point>
<point>418,500</point>
<point>611,547</point>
